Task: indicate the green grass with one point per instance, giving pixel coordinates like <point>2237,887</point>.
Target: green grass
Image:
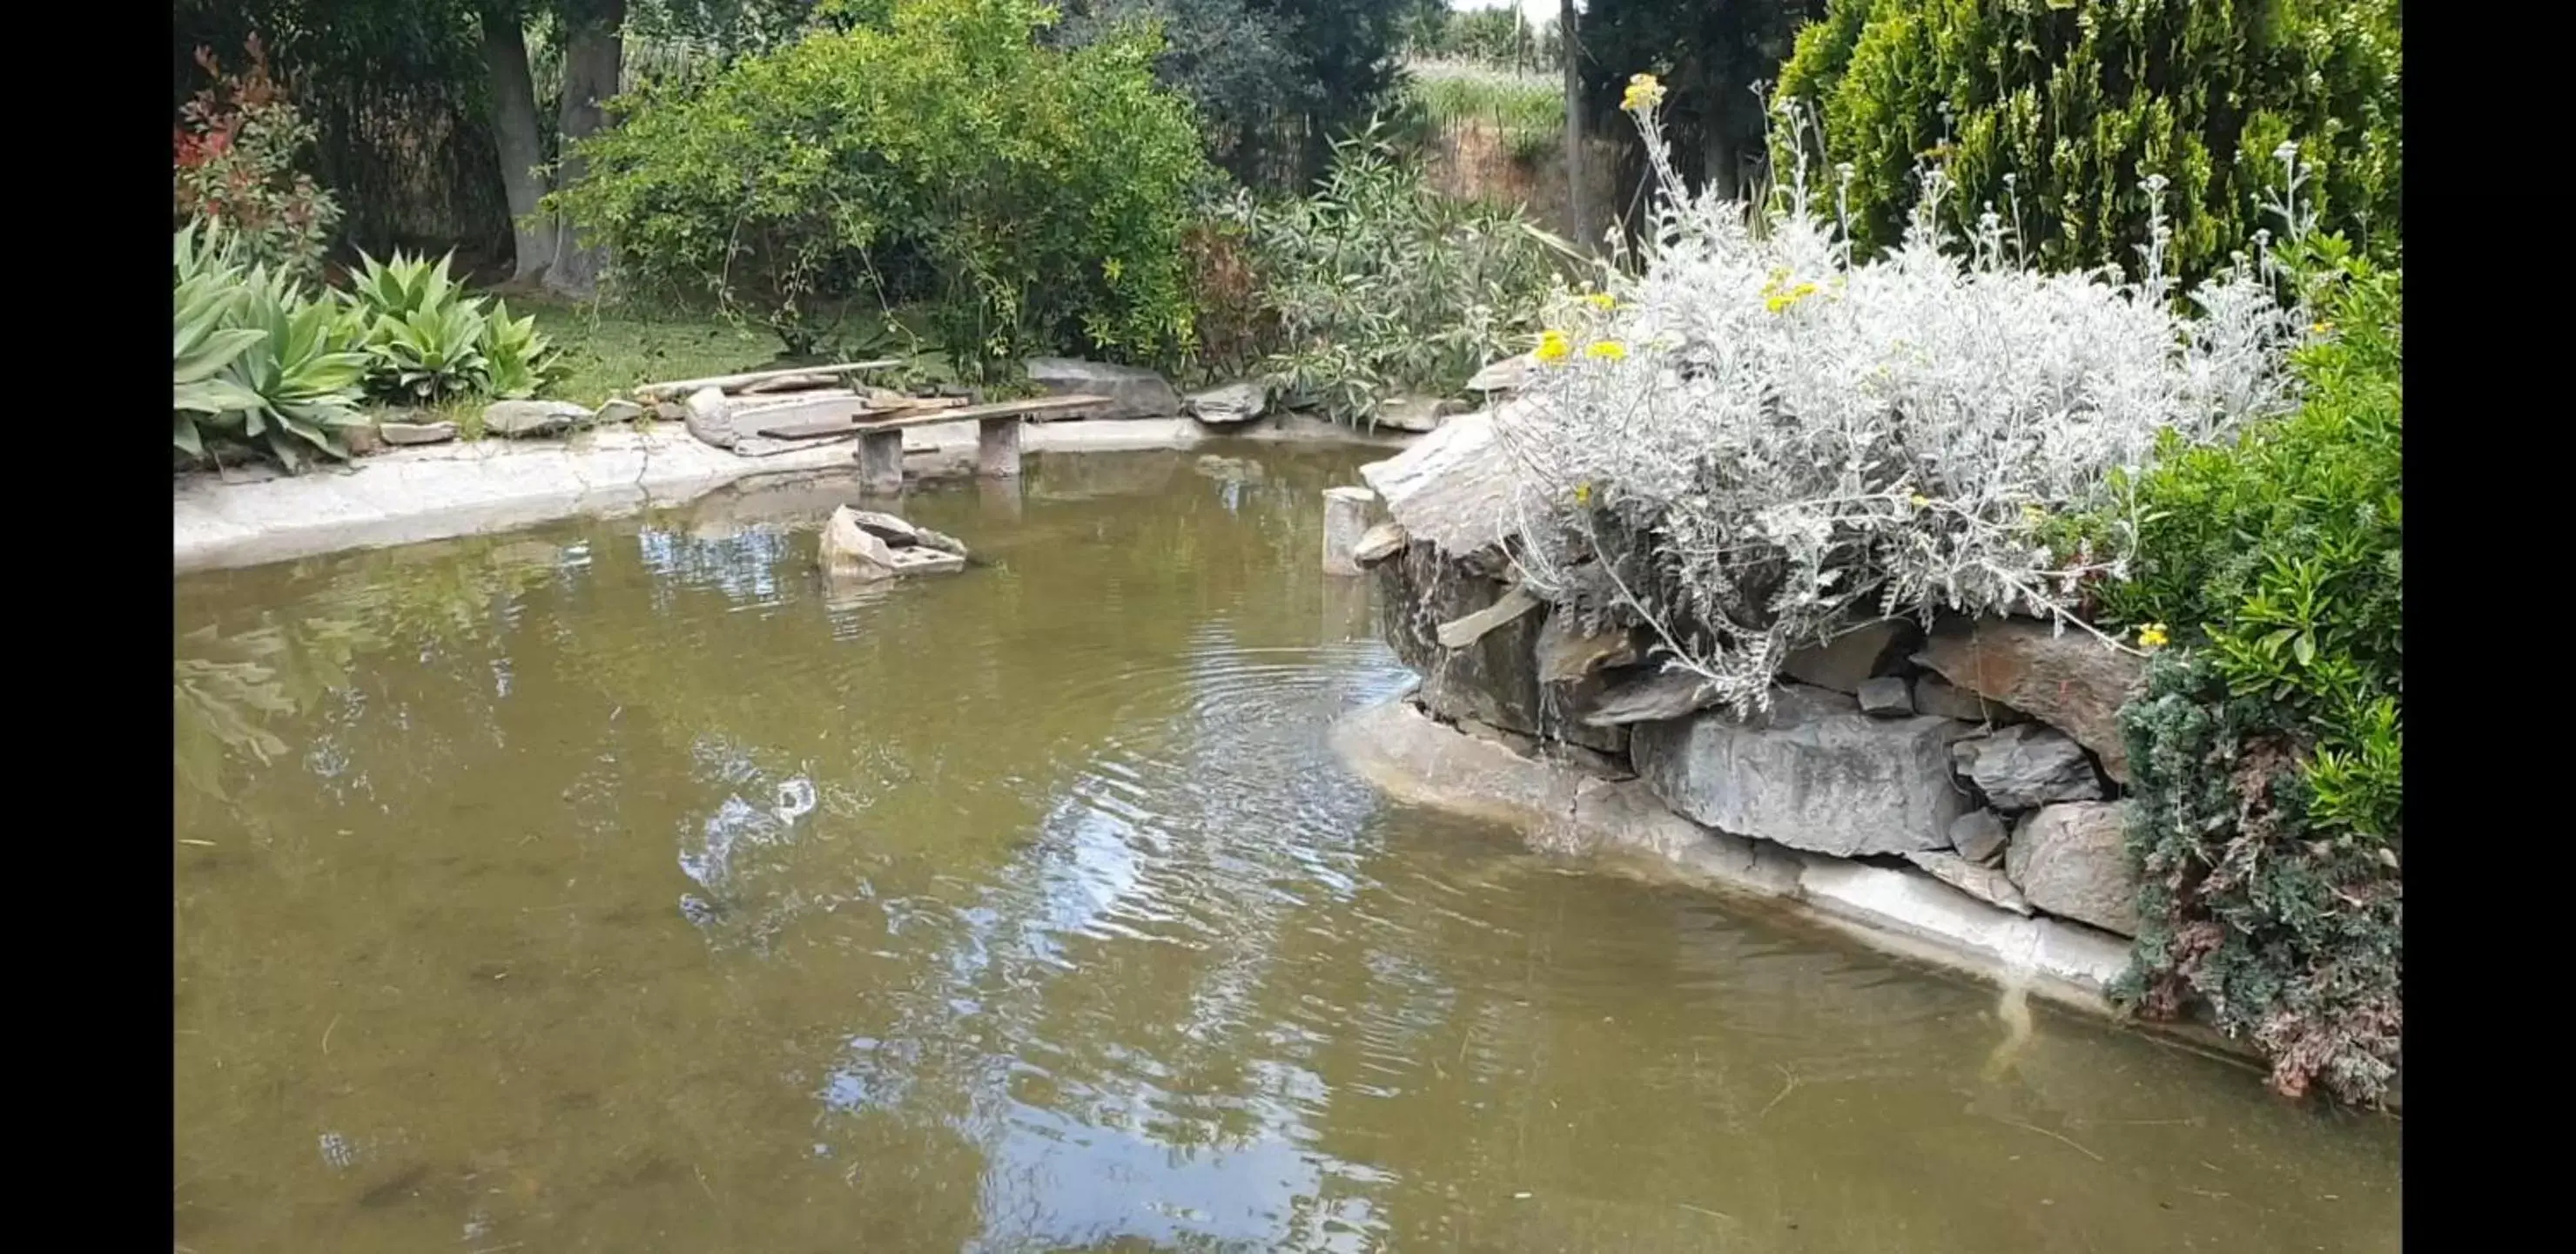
<point>611,351</point>
<point>1527,110</point>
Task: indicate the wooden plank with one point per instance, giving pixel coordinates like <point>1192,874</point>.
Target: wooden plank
<point>727,382</point>
<point>869,421</point>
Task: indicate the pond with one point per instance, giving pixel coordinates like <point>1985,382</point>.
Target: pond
<point>618,886</point>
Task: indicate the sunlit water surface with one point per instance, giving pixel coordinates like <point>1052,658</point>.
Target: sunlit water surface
<point>621,887</point>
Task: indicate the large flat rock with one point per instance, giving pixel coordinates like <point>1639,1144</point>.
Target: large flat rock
<point>1494,679</point>
<point>2071,681</point>
<point>1814,773</point>
<point>1133,391</point>
<point>2072,861</point>
<point>1454,488</point>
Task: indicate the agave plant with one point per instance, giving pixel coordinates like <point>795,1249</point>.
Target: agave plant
<point>519,359</point>
<point>300,375</point>
<point>431,354</point>
<point>423,334</point>
<point>203,343</point>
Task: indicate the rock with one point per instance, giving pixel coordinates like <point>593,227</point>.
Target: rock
<point>1460,632</point>
<point>2070,681</point>
<point>438,432</point>
<point>1886,696</point>
<point>1346,519</point>
<point>1230,406</point>
<point>1652,697</point>
<point>1454,488</point>
<point>709,414</point>
<point>1847,660</point>
<point>899,534</point>
<point>1568,654</point>
<point>852,553</point>
<point>1814,773</point>
<point>1983,883</point>
<point>362,438</point>
<point>1935,695</point>
<point>1409,413</point>
<point>527,420</point>
<point>2072,860</point>
<point>2027,765</point>
<point>1506,375</point>
<point>1979,835</point>
<point>1494,679</point>
<point>672,411</point>
<point>617,409</point>
<point>1133,391</point>
<point>1379,543</point>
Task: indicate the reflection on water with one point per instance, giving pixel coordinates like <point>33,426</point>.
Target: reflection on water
<point>613,888</point>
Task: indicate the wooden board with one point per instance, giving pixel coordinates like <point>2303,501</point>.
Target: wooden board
<point>727,382</point>
<point>869,421</point>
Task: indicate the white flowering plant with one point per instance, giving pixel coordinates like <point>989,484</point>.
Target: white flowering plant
<point>1758,440</point>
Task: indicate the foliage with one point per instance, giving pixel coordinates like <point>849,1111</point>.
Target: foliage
<point>2268,751</point>
<point>1763,437</point>
<point>427,340</point>
<point>233,164</point>
<point>1714,53</point>
<point>520,360</point>
<point>1496,36</point>
<point>1236,325</point>
<point>1526,111</point>
<point>256,362</point>
<point>2056,110</point>
<point>1034,197</point>
<point>1381,283</point>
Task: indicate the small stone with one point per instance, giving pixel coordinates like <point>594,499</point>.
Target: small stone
<point>1935,695</point>
<point>528,420</point>
<point>1568,654</point>
<point>617,409</point>
<point>1979,836</point>
<point>2027,765</point>
<point>1506,375</point>
<point>1886,697</point>
<point>1230,469</point>
<point>362,438</point>
<point>1845,662</point>
<point>1665,694</point>
<point>709,414</point>
<point>2072,861</point>
<point>1379,543</point>
<point>438,432</point>
<point>942,542</point>
<point>1230,406</point>
<point>1409,413</point>
<point>1983,883</point>
<point>672,411</point>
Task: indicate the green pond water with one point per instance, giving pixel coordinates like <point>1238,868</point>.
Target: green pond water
<point>619,886</point>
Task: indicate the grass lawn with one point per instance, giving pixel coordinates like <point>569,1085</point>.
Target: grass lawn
<point>611,351</point>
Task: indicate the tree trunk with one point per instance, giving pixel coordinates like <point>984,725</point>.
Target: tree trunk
<point>1575,219</point>
<point>594,58</point>
<point>514,134</point>
<point>1719,151</point>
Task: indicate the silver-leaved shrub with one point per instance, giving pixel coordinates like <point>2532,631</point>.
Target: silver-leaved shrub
<point>1758,440</point>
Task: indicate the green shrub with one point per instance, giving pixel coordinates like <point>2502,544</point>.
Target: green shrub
<point>2053,111</point>
<point>427,340</point>
<point>1035,197</point>
<point>256,363</point>
<point>233,164</point>
<point>2268,749</point>
<point>1382,284</point>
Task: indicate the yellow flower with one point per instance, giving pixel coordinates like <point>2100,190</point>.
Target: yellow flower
<point>1606,350</point>
<point>1552,346</point>
<point>1583,493</point>
<point>2152,636</point>
<point>1785,299</point>
<point>1602,301</point>
<point>1643,93</point>
<point>1918,500</point>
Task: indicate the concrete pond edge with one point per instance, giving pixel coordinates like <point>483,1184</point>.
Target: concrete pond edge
<point>1560,808</point>
<point>411,495</point>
